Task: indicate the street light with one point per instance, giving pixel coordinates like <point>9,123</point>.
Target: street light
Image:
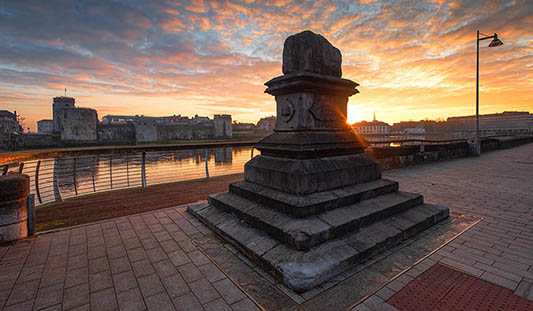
<point>495,42</point>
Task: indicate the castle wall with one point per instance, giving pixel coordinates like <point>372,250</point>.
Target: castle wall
<point>78,124</point>
<point>223,126</point>
<point>145,130</point>
<point>116,133</point>
<point>168,132</point>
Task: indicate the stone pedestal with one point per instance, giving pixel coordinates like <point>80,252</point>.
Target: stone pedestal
<point>313,204</point>
<point>14,190</point>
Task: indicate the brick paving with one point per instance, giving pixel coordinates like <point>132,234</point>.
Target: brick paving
<point>498,186</point>
<point>153,260</point>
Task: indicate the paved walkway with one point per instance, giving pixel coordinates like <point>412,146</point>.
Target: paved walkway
<point>148,261</point>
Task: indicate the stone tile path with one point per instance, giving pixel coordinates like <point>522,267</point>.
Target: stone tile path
<point>498,186</point>
<point>149,261</point>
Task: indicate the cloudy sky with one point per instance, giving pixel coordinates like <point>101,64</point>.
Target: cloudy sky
<point>413,59</point>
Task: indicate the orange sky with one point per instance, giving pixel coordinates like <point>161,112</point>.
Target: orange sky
<point>413,59</point>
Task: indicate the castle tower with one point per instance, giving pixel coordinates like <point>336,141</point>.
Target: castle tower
<point>60,102</point>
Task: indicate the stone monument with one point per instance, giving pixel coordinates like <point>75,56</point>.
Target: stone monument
<point>313,204</point>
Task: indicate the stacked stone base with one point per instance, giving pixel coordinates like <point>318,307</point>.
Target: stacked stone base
<point>304,238</point>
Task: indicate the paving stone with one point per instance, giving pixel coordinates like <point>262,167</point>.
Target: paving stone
<point>190,273</point>
<point>150,285</point>
<point>164,268</point>
<point>131,300</point>
<point>132,243</point>
<point>104,300</point>
<point>21,306</point>
<point>211,272</point>
<point>124,281</point>
<point>187,302</point>
<point>76,296</point>
<point>49,296</point>
<point>217,305</point>
<point>142,268</point>
<point>203,290</point>
<point>100,280</point>
<point>156,254</point>
<point>119,265</point>
<point>30,273</point>
<point>178,258</point>
<point>525,289</point>
<point>169,246</point>
<point>498,280</point>
<point>23,292</point>
<point>137,254</point>
<point>116,252</point>
<point>198,258</point>
<point>244,305</point>
<point>175,286</point>
<point>76,277</point>
<point>159,302</point>
<point>229,291</point>
<point>96,252</point>
<point>98,265</point>
<point>76,262</point>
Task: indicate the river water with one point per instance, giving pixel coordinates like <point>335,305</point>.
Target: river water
<point>71,176</point>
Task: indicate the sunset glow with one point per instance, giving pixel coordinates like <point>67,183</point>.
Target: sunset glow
<point>412,59</point>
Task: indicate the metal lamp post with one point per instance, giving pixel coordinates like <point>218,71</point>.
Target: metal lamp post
<point>495,42</point>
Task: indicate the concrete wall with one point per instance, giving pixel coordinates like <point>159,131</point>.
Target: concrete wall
<point>116,134</point>
<point>223,126</point>
<point>78,124</point>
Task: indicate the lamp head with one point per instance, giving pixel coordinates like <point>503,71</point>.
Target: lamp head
<point>495,41</point>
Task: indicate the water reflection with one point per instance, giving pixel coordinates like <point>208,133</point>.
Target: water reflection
<point>70,176</point>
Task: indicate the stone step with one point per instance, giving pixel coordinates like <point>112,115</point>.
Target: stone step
<point>302,270</point>
<point>305,232</point>
<point>315,203</point>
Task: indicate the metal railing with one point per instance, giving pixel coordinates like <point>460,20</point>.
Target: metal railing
<point>72,173</point>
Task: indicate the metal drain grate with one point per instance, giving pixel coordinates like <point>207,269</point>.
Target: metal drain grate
<point>443,288</point>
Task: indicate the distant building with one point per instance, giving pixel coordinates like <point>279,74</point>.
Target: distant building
<point>414,130</point>
<point>9,123</point>
<point>60,103</point>
<point>45,126</point>
<point>267,123</point>
<point>243,126</point>
<point>372,128</point>
<point>508,122</point>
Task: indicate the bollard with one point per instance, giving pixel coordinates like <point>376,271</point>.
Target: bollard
<point>14,191</point>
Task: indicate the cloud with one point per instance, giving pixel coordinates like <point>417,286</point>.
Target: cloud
<point>413,59</point>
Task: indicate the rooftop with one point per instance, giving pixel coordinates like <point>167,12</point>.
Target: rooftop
<point>168,259</point>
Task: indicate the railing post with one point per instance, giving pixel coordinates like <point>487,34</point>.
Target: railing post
<point>6,168</point>
<point>95,163</point>
<point>128,169</point>
<point>111,171</point>
<point>57,192</point>
<point>143,169</point>
<point>252,153</point>
<point>37,167</point>
<point>31,214</point>
<point>21,167</point>
<point>206,164</point>
<point>74,175</point>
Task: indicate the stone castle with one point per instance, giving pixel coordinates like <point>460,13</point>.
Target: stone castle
<point>81,126</point>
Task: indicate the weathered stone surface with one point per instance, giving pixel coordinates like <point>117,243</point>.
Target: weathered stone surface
<point>313,203</point>
<point>310,144</point>
<point>14,190</point>
<point>306,232</point>
<point>302,270</point>
<point>307,51</point>
<point>311,175</point>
